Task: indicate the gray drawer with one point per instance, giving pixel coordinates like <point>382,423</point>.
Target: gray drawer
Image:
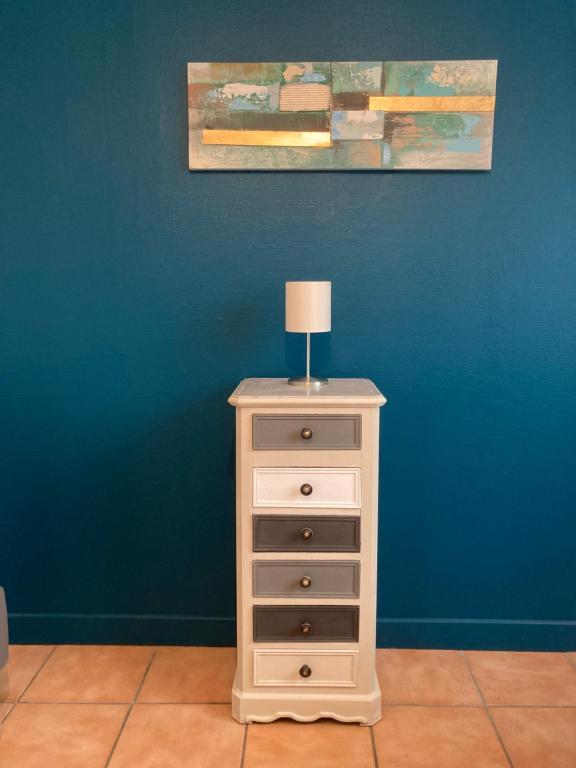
<point>286,624</point>
<point>303,578</point>
<point>287,432</point>
<point>291,533</point>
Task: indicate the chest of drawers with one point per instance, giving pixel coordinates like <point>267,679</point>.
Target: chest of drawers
<point>306,544</point>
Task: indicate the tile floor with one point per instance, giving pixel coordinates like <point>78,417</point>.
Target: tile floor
<point>144,707</point>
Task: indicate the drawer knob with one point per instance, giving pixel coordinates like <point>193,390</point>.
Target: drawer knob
<point>305,671</point>
<point>306,433</point>
<point>306,533</point>
<point>306,628</point>
<point>306,489</point>
<point>305,582</point>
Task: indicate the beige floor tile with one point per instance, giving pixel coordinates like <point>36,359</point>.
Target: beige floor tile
<point>323,744</point>
<point>106,674</point>
<point>537,679</point>
<point>179,736</point>
<point>537,737</point>
<point>60,735</point>
<point>425,677</point>
<point>437,737</point>
<point>190,676</point>
<point>23,663</point>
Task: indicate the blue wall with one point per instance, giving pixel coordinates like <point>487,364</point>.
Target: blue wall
<point>136,296</point>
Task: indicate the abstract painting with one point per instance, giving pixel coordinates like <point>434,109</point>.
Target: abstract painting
<point>342,115</point>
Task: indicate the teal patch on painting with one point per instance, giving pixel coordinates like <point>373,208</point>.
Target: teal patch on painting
<point>411,79</point>
<point>350,76</point>
<point>467,144</point>
<point>443,125</point>
<point>440,78</point>
<point>386,154</point>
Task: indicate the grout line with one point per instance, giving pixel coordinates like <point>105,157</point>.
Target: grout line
<point>11,707</point>
<point>120,732</point>
<point>7,715</point>
<point>135,697</point>
<point>187,703</point>
<point>487,710</point>
<point>532,706</point>
<point>374,753</point>
<point>34,676</point>
<point>78,703</point>
<point>482,706</point>
<point>40,668</point>
<point>438,706</point>
<point>245,739</point>
<point>139,703</point>
<point>227,704</point>
<point>127,715</point>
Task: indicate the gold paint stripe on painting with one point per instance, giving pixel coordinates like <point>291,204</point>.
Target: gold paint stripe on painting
<point>432,103</point>
<point>268,138</point>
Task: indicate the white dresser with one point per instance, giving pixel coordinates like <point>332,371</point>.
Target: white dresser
<point>306,517</point>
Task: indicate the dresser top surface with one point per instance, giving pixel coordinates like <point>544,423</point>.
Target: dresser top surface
<point>279,392</point>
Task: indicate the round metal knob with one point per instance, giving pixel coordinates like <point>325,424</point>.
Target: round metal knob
<point>306,489</point>
<point>305,671</point>
<point>306,533</point>
<point>306,433</point>
<point>306,628</point>
<point>305,582</point>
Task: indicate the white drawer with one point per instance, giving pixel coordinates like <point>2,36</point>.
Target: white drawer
<point>301,487</point>
<point>337,669</point>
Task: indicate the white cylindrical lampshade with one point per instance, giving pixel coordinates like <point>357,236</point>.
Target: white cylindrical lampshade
<point>308,307</point>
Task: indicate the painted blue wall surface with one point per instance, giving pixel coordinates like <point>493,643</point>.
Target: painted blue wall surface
<point>136,295</point>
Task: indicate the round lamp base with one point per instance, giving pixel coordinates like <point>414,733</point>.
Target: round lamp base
<point>310,382</point>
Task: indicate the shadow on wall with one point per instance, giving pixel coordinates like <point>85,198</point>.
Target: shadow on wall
<point>177,511</point>
<point>295,352</point>
<point>146,528</point>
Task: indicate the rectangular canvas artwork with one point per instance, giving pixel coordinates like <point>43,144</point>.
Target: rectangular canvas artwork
<point>341,115</point>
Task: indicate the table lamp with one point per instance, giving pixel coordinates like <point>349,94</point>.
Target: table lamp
<point>308,310</point>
